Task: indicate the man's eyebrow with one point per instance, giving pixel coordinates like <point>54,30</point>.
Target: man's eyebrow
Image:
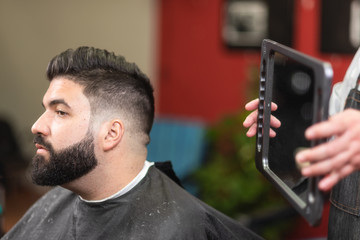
<point>56,102</point>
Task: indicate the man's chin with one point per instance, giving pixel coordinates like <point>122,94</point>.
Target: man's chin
<point>39,171</point>
<point>43,157</point>
<point>52,168</point>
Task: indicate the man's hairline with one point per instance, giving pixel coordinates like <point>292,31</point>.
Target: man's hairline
<point>97,120</point>
<point>105,114</point>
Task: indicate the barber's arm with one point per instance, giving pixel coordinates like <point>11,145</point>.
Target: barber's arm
<point>251,120</point>
<point>337,158</point>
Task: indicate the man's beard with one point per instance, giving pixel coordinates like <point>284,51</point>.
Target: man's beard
<point>65,165</point>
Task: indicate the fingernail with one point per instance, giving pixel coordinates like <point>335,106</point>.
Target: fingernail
<point>309,133</point>
<point>322,185</point>
<point>302,165</point>
<point>299,157</point>
<point>305,171</point>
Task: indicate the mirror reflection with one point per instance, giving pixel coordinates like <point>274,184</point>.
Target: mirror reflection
<point>293,92</point>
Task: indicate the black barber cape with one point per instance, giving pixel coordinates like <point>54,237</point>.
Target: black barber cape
<point>156,208</point>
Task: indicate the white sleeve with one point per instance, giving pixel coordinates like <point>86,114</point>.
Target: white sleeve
<point>336,100</point>
<point>341,90</point>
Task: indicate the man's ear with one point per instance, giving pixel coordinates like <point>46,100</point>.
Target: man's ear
<point>113,132</point>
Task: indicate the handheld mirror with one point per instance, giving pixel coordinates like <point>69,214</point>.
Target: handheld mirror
<point>300,85</point>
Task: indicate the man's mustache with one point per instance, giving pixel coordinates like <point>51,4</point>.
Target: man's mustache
<point>38,139</point>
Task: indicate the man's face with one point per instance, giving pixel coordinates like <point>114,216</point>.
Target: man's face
<point>65,145</point>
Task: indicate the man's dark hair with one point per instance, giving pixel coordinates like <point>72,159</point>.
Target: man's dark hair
<point>110,83</point>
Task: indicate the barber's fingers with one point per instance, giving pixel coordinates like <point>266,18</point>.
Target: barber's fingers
<point>252,131</point>
<point>274,106</point>
<point>274,122</point>
<point>250,119</point>
<point>253,105</point>
<point>325,150</point>
<point>335,168</point>
<point>272,133</point>
<point>330,180</point>
<point>347,120</point>
<point>324,130</point>
<point>332,173</point>
<point>253,128</point>
<point>328,165</point>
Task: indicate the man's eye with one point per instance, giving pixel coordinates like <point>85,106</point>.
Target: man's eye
<point>61,113</point>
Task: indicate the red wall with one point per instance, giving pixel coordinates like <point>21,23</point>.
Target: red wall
<point>199,77</point>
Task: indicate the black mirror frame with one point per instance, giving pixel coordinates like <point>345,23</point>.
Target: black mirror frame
<point>312,209</point>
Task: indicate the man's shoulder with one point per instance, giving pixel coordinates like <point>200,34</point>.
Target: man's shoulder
<point>55,196</point>
<point>54,200</point>
<point>163,189</point>
<point>53,207</point>
<point>168,200</point>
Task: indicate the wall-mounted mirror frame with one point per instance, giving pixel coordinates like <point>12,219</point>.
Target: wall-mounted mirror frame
<point>275,157</point>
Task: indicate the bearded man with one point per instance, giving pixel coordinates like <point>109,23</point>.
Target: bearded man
<point>91,145</point>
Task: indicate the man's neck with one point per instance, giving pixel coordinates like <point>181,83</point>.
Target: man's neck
<point>105,180</point>
<point>128,187</point>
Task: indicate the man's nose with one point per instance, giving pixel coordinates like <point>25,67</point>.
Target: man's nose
<point>41,126</point>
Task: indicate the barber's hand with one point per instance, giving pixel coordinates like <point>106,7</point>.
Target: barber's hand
<point>251,120</point>
<point>337,158</point>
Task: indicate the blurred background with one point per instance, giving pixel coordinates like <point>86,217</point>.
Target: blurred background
<point>203,59</point>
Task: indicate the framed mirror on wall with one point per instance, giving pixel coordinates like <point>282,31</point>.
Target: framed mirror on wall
<point>300,85</point>
<point>247,22</point>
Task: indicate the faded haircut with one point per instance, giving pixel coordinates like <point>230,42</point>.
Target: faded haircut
<point>110,83</point>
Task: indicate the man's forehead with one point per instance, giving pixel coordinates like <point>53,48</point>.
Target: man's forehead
<point>63,83</point>
<point>63,90</point>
